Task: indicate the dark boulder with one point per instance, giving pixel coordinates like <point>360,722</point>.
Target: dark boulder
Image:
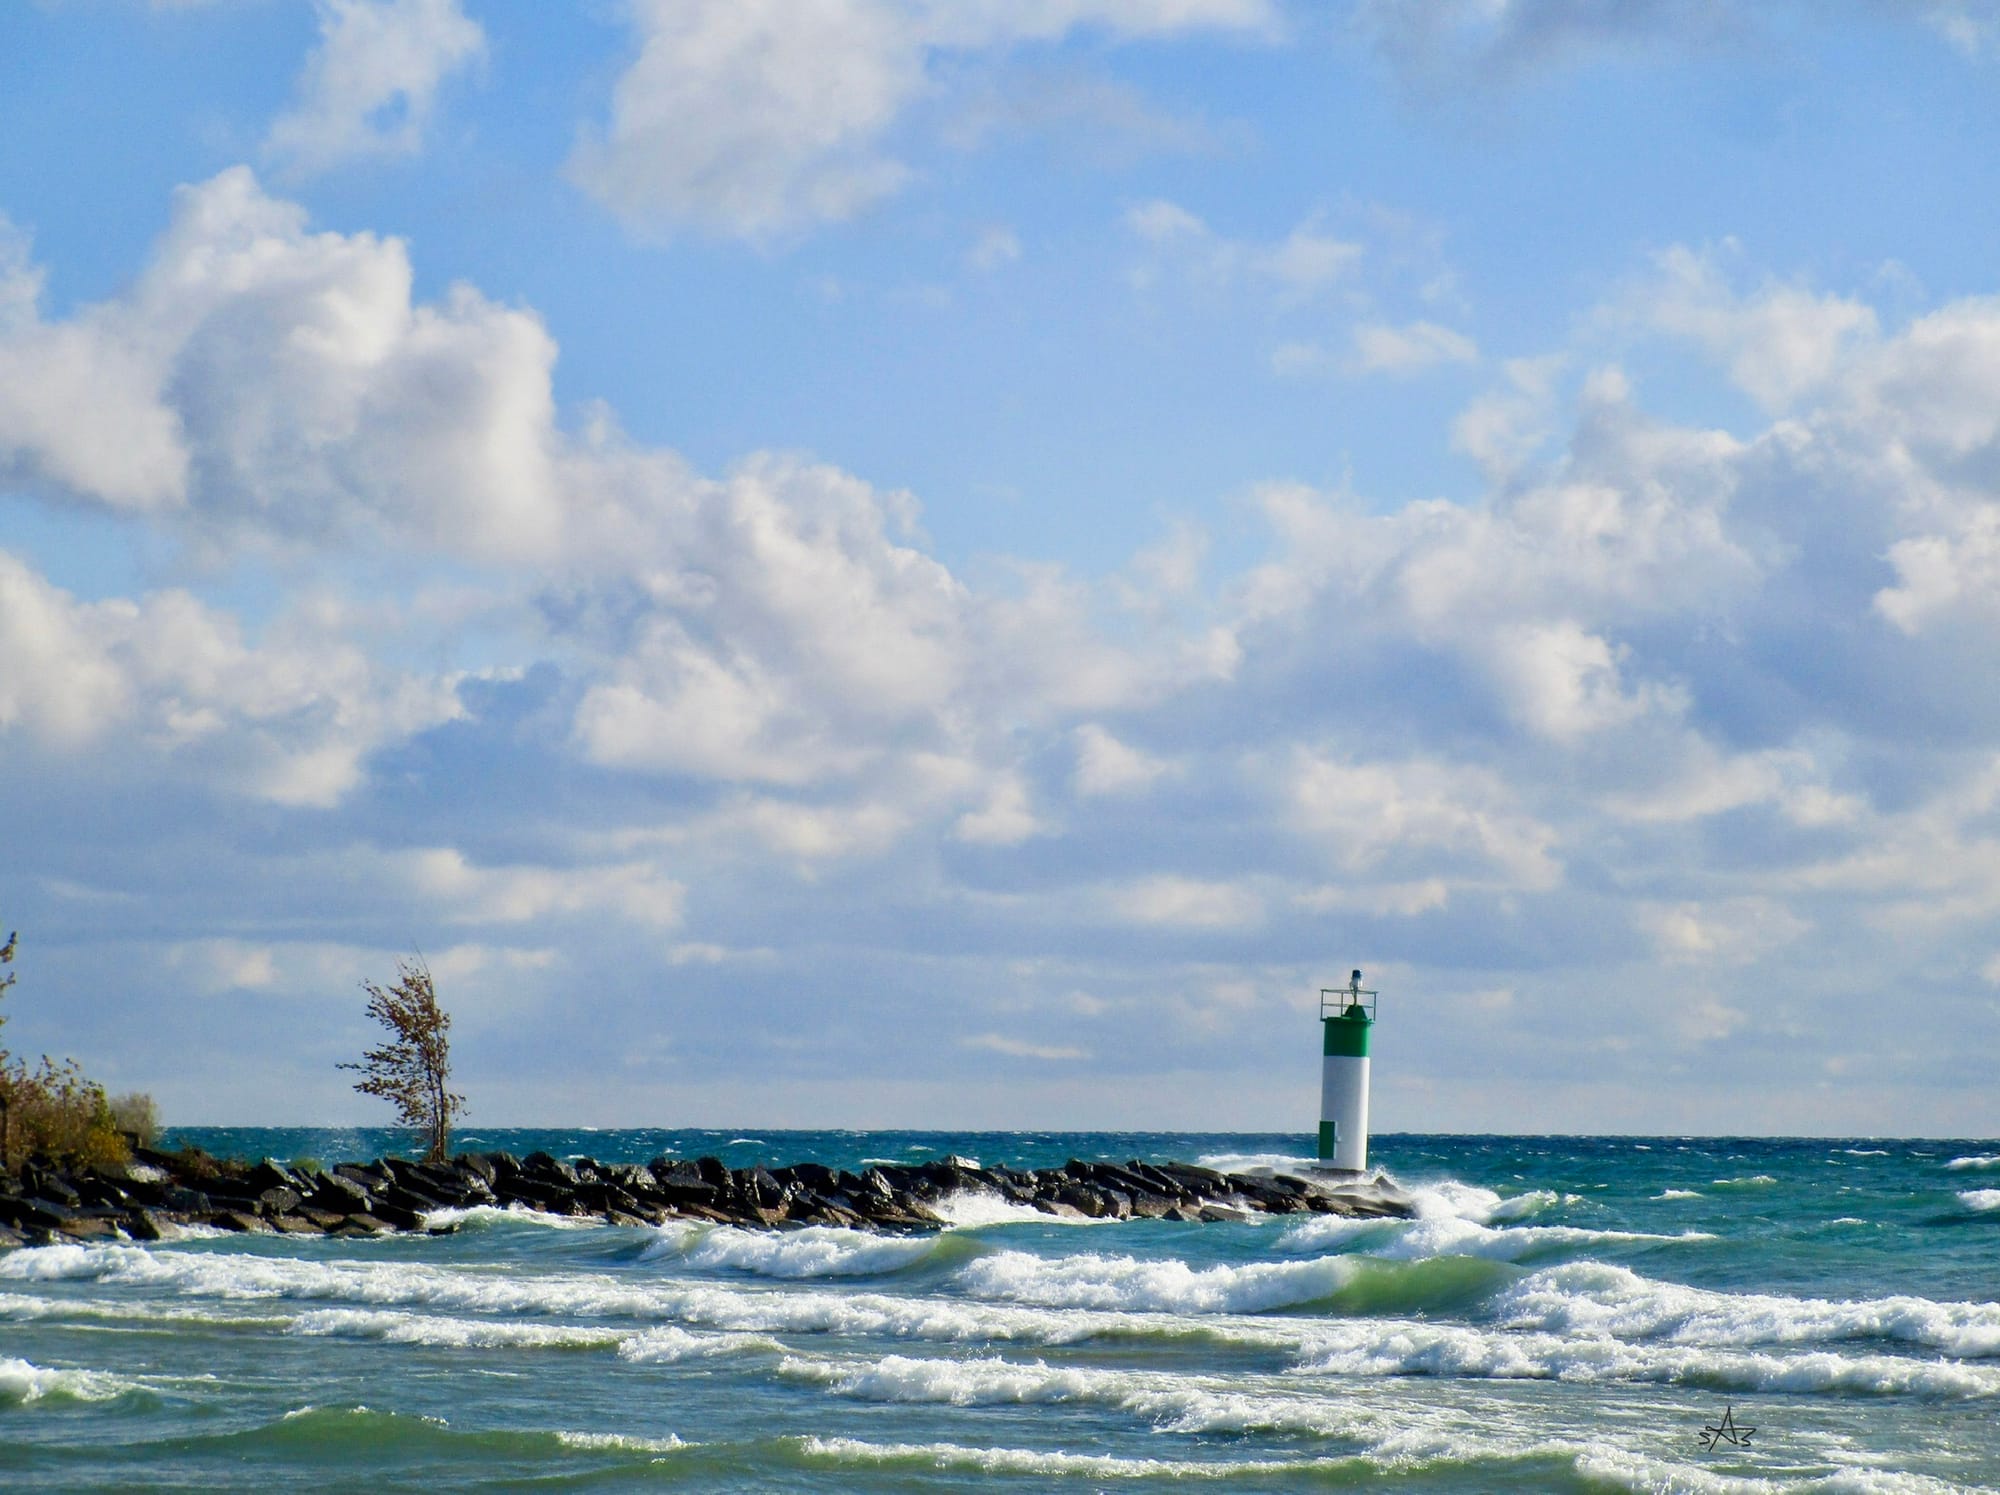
<point>48,1183</point>
<point>544,1167</point>
<point>271,1174</point>
<point>184,1201</point>
<point>339,1194</point>
<point>370,1176</point>
<point>142,1225</point>
<point>279,1201</point>
<point>27,1212</point>
<point>391,1213</point>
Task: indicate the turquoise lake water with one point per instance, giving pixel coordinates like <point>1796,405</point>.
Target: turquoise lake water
<point>1565,1314</point>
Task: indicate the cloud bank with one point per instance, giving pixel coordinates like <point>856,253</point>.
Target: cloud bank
<point>1680,732</point>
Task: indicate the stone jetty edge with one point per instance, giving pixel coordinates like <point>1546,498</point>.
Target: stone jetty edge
<point>49,1202</point>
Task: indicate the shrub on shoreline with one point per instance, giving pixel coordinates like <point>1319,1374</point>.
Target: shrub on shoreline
<point>55,1109</point>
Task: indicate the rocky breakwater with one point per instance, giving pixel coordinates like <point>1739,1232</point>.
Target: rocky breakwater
<point>48,1202</point>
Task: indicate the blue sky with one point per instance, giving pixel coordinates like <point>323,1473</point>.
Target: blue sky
<point>866,562</point>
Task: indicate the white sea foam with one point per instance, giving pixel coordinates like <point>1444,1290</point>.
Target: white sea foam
<point>1521,1206</point>
<point>1257,1162</point>
<point>1978,1162</point>
<point>619,1443</point>
<point>477,1215</point>
<point>1592,1299</point>
<point>1752,1181</point>
<point>817,1251</point>
<point>1174,1403</point>
<point>1640,1473</point>
<point>670,1346</point>
<point>975,1209</point>
<point>750,1307</point>
<point>1981,1199</point>
<point>1666,1194</point>
<point>1379,1348</point>
<point>1866,1152</point>
<point>1091,1280</point>
<point>1438,1231</point>
<point>177,1230</point>
<point>1034,1461</point>
<point>1448,1199</point>
<point>23,1307</point>
<point>22,1384</point>
<point>1443,1201</point>
<point>960,1383</point>
<point>450,1333</point>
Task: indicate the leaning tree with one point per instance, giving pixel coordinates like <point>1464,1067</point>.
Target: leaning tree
<point>413,1069</point>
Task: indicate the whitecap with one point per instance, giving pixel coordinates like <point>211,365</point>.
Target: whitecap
<point>1590,1298</point>
<point>449,1333</point>
<point>1174,1403</point>
<point>1452,1235</point>
<point>1521,1206</point>
<point>23,1383</point>
<point>1979,1161</point>
<point>1035,1461</point>
<point>1981,1199</point>
<point>1753,1181</point>
<point>1257,1162</point>
<point>975,1209</point>
<point>670,1346</point>
<point>1448,1199</point>
<point>1393,1348</point>
<point>619,1443</point>
<point>816,1251</point>
<point>1644,1475</point>
<point>1666,1194</point>
<point>1090,1280</point>
<point>754,1307</point>
<point>477,1215</point>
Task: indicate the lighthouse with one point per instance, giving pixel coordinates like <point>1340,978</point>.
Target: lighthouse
<point>1347,1013</point>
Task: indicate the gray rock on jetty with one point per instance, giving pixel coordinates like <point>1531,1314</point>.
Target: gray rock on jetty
<point>48,1202</point>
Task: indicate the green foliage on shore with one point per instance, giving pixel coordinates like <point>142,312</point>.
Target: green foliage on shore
<point>52,1107</point>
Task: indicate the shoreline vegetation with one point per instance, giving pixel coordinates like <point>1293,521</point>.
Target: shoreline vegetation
<point>49,1201</point>
<point>53,1109</point>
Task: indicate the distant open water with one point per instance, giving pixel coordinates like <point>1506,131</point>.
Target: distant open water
<point>1565,1314</point>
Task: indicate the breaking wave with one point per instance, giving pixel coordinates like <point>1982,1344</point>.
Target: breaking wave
<point>816,1251</point>
<point>1599,1301</point>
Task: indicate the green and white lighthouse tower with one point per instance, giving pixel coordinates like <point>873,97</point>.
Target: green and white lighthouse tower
<point>1348,1015</point>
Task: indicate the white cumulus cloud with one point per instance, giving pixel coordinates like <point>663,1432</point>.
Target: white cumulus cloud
<point>1410,349</point>
<point>369,86</point>
<point>757,118</point>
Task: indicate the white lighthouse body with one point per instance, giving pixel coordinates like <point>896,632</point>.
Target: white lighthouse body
<point>1347,1015</point>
